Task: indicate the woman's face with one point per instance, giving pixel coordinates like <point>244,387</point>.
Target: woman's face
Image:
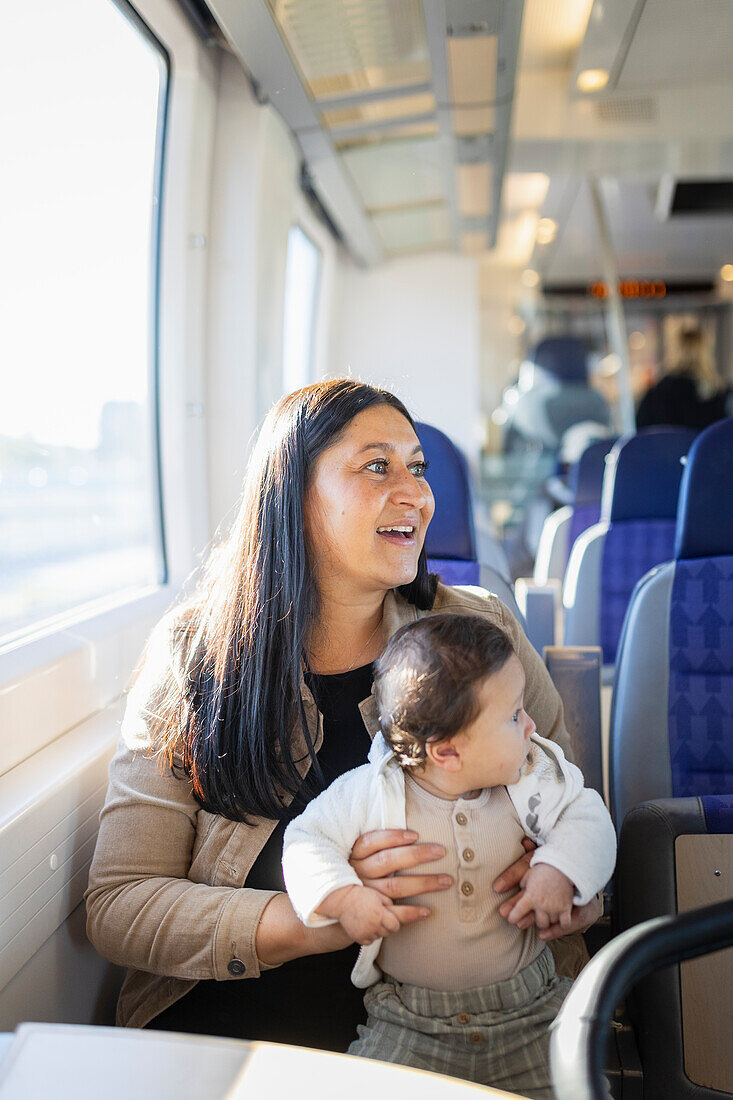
<point>368,506</point>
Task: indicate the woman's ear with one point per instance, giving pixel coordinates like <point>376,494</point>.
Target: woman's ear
<point>445,754</point>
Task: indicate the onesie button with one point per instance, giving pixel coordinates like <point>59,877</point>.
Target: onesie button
<point>475,1038</point>
<point>461,819</point>
<point>236,968</point>
<point>467,888</point>
<point>468,854</point>
<point>463,1017</point>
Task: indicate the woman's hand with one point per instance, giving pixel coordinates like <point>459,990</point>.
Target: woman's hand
<point>281,936</point>
<point>378,855</point>
<point>581,917</point>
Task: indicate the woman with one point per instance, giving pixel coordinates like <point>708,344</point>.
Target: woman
<point>692,394</point>
<point>251,698</point>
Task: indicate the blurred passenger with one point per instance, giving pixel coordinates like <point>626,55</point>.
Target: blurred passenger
<point>692,394</point>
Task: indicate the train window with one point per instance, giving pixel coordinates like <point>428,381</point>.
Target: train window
<point>82,101</point>
<point>302,280</point>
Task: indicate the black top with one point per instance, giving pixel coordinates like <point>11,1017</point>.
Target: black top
<point>309,1001</point>
<point>674,400</point>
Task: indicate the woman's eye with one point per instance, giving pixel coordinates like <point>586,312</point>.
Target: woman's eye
<point>515,716</point>
<point>419,468</point>
<point>379,465</point>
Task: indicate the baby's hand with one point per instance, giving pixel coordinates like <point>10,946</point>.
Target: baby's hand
<point>548,894</point>
<point>365,914</point>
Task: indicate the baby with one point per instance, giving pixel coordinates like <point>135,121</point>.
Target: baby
<point>457,761</point>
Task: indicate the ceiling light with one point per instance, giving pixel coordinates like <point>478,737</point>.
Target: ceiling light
<point>516,326</point>
<point>726,273</point>
<point>592,80</point>
<point>546,230</point>
<point>530,277</point>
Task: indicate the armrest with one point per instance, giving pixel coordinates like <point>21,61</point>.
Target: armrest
<point>540,604</point>
<point>576,673</point>
<point>578,1035</point>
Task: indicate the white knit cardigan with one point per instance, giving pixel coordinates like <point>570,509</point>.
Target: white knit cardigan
<point>567,820</point>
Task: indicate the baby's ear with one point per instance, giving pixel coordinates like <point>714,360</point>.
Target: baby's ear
<point>444,754</point>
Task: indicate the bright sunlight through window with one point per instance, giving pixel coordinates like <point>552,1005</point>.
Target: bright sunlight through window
<point>82,89</point>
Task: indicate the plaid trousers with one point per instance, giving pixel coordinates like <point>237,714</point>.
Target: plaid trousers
<point>493,1035</point>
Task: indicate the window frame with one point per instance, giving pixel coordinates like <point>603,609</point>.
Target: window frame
<point>59,673</point>
<point>298,222</point>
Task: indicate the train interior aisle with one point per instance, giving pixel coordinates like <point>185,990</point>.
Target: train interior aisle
<point>517,215</point>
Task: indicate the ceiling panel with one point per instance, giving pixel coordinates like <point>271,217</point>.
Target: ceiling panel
<point>345,45</point>
<point>679,42</point>
<point>396,173</point>
<point>473,186</point>
<point>694,246</point>
<point>552,30</point>
<point>412,230</point>
<point>472,73</point>
<point>381,110</point>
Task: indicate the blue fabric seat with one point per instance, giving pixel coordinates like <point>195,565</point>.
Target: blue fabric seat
<point>450,543</point>
<point>671,752</point>
<point>636,532</point>
<point>582,510</point>
<point>553,395</point>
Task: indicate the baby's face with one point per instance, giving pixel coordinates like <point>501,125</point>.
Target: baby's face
<point>494,746</point>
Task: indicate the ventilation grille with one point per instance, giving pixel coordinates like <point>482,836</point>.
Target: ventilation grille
<point>344,45</point>
<point>623,109</point>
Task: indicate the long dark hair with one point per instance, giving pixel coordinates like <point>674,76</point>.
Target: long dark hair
<point>230,719</point>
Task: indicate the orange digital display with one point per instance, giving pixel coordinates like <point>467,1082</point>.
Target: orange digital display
<point>631,288</point>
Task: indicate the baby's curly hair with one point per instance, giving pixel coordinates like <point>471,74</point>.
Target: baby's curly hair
<point>426,681</point>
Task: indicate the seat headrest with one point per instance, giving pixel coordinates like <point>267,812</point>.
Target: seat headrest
<point>562,357</point>
<point>586,475</point>
<point>705,518</point>
<point>451,532</point>
<point>643,475</point>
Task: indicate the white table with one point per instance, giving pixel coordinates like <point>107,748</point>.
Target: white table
<point>74,1062</point>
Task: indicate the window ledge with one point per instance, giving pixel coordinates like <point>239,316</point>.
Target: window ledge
<point>51,683</point>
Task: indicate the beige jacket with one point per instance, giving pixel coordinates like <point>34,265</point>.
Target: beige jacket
<point>165,895</point>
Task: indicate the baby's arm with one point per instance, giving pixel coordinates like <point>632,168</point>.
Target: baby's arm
<point>363,913</point>
<point>547,894</point>
<point>568,820</point>
<point>317,846</point>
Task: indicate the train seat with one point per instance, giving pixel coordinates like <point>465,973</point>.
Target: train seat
<point>553,395</point>
<point>583,510</point>
<point>450,543</point>
<point>671,775</point>
<point>674,674</point>
<point>635,533</point>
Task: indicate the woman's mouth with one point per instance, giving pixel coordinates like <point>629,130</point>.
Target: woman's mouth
<point>398,534</point>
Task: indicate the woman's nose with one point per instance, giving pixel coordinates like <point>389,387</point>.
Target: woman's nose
<point>408,489</point>
<point>529,728</point>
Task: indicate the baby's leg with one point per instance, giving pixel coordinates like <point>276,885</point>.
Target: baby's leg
<point>496,1035</point>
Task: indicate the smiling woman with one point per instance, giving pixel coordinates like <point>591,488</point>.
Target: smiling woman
<point>252,697</point>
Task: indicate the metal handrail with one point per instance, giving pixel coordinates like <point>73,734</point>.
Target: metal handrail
<point>579,1034</point>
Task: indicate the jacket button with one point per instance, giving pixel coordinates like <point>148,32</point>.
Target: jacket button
<point>475,1038</point>
<point>463,1017</point>
<point>468,854</point>
<point>461,819</point>
<point>236,968</point>
<point>467,889</point>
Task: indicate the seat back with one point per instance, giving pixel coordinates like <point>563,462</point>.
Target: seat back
<point>586,487</point>
<point>639,505</point>
<point>451,535</point>
<point>674,675</point>
<point>671,775</point>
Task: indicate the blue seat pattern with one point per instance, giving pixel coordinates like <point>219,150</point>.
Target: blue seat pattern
<point>718,811</point>
<point>583,517</point>
<point>630,550</point>
<point>701,677</point>
<point>455,572</point>
<point>451,533</point>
